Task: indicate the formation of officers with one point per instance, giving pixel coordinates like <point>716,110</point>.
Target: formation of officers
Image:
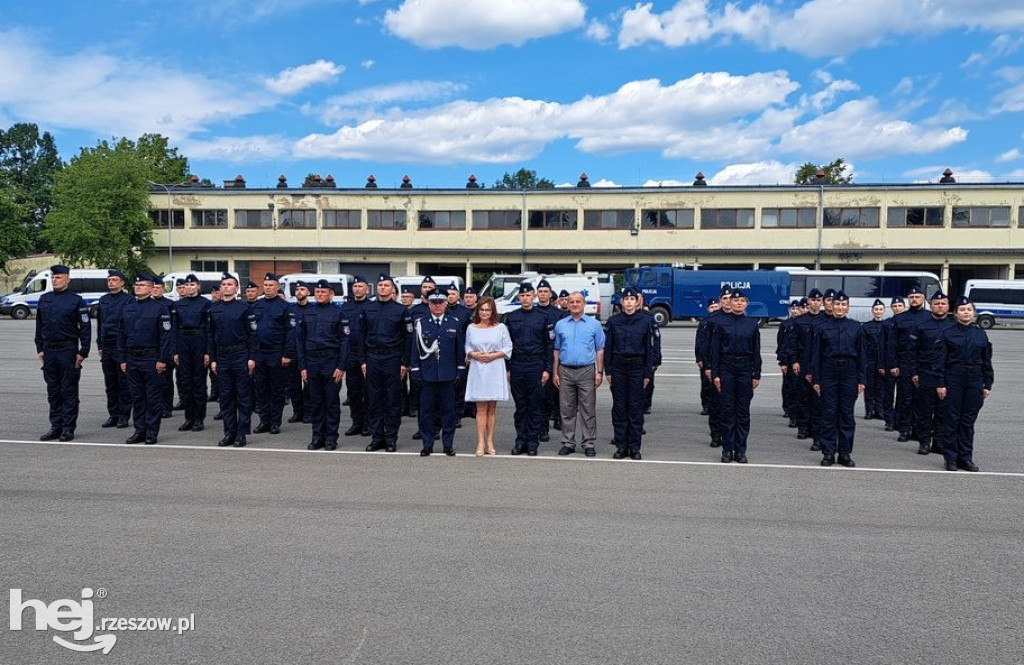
<point>922,370</point>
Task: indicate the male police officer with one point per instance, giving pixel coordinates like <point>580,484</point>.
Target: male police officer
<point>904,341</point>
<point>629,355</point>
<point>548,303</point>
<point>232,352</point>
<point>736,372</point>
<point>715,425</point>
<point>838,368</point>
<point>438,357</point>
<point>298,390</point>
<point>417,311</point>
<point>532,332</point>
<point>354,379</point>
<point>191,319</point>
<point>323,342</point>
<point>63,336</point>
<point>925,377</point>
<point>274,351</point>
<point>108,324</point>
<point>700,346</point>
<point>889,387</point>
<point>156,292</point>
<point>145,347</point>
<point>783,349</point>
<point>384,356</point>
<point>183,290</point>
<point>465,316</point>
<point>809,412</point>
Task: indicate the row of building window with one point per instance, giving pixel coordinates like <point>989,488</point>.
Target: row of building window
<point>684,218</point>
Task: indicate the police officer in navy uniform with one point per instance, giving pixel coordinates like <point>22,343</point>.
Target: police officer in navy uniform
<point>438,357</point>
<point>904,342</point>
<point>145,347</point>
<point>191,319</point>
<point>108,324</point>
<point>714,411</point>
<point>274,352</point>
<point>214,381</point>
<point>547,302</point>
<point>964,364</point>
<point>736,372</point>
<point>417,311</point>
<point>838,373</point>
<point>783,348</point>
<point>183,290</point>
<point>809,405</point>
<point>156,292</point>
<point>298,390</point>
<point>384,357</point>
<point>232,352</point>
<point>355,382</point>
<point>700,346</point>
<point>465,315</point>
<point>890,388</point>
<point>322,346</point>
<point>63,336</point>
<point>874,340</point>
<point>930,409</point>
<point>532,332</point>
<point>631,337</point>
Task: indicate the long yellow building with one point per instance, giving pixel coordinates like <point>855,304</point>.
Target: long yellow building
<point>958,231</point>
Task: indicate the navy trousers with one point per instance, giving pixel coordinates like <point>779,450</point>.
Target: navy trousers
<point>192,378</point>
<point>356,384</point>
<point>147,387</point>
<point>838,399</point>
<point>437,404</point>
<point>324,400</point>
<point>889,399</point>
<point>271,380</point>
<point>964,400</point>
<point>115,383</point>
<point>628,400</point>
<point>384,396</point>
<point>906,402</point>
<point>235,394</point>
<point>62,379</point>
<point>530,398</point>
<point>734,404</point>
<point>930,413</point>
<point>874,389</point>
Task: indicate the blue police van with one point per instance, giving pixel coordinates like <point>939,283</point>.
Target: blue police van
<point>675,293</point>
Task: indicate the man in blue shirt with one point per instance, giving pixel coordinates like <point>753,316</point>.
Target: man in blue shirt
<point>578,373</point>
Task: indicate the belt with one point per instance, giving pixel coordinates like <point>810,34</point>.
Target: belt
<point>271,347</point>
<point>383,351</point>
<point>231,348</point>
<point>526,357</point>
<point>738,357</point>
<point>143,351</point>
<point>839,362</point>
<point>576,366</point>
<point>192,331</point>
<point>967,369</point>
<point>322,353</point>
<point>60,346</point>
<point>627,360</point>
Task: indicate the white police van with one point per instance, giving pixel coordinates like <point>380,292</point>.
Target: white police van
<point>340,282</point>
<point>207,282</point>
<point>587,284</point>
<point>414,281</point>
<point>996,299</point>
<point>91,284</point>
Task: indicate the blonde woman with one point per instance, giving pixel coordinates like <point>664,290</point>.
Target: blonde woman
<point>488,346</point>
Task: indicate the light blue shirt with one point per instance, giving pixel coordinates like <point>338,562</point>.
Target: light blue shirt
<point>578,342</point>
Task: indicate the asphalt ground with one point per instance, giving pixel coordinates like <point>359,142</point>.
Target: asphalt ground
<point>290,556</point>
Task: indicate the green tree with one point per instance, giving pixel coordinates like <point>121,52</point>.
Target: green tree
<point>101,202</point>
<point>14,237</point>
<point>523,179</point>
<point>835,173</point>
<point>29,163</point>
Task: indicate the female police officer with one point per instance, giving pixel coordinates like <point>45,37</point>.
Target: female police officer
<point>736,372</point>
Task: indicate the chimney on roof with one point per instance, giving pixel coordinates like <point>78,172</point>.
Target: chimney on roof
<point>699,181</point>
<point>472,183</point>
<point>282,182</point>
<point>371,182</point>
<point>193,180</point>
<point>406,182</point>
<point>237,183</point>
<point>584,181</point>
<point>329,181</point>
<point>947,177</point>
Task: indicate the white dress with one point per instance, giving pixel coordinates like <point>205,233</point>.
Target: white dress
<point>488,382</point>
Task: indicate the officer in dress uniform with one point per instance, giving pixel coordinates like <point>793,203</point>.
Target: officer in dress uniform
<point>965,365</point>
<point>464,315</point>
<point>63,336</point>
<point>700,346</point>
<point>631,337</point>
<point>274,352</point>
<point>838,369</point>
<point>298,390</point>
<point>438,357</point>
<point>783,348</point>
<point>156,292</point>
<point>809,411</point>
<point>354,379</point>
<point>108,324</point>
<point>417,311</point>
<point>323,342</point>
<point>232,357</point>
<point>736,371</point>
<point>715,411</point>
<point>384,358</point>
<point>904,350</point>
<point>889,388</point>
<point>191,319</point>
<point>252,292</point>
<point>532,332</point>
<point>874,340</point>
<point>145,346</point>
<point>930,409</point>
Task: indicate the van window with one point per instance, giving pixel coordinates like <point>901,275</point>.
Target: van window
<point>36,286</point>
<point>996,295</point>
<point>862,286</point>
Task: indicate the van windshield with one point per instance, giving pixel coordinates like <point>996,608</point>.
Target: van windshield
<point>34,286</point>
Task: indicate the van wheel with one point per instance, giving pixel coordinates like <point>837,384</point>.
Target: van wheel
<point>661,316</point>
<point>986,321</point>
<point>20,312</point>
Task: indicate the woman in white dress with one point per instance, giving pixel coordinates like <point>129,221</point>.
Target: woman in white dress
<point>488,346</point>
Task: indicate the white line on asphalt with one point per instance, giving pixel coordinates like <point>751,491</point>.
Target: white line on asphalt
<point>576,457</point>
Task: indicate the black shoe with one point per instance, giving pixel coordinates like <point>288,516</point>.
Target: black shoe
<point>557,424</point>
<point>315,444</point>
<point>354,430</point>
<point>703,412</point>
<point>67,435</point>
<point>566,450</point>
<point>967,466</point>
<point>150,440</point>
<point>240,441</point>
<point>726,456</point>
<point>716,442</point>
<point>531,453</point>
<point>296,418</point>
<point>589,452</point>
<point>390,448</point>
<point>620,453</point>
<point>868,416</point>
<point>903,437</point>
<point>803,434</point>
<point>458,424</point>
<point>179,406</point>
<point>213,398</point>
<point>417,436</point>
<point>275,429</point>
<point>219,416</point>
<point>792,424</point>
<point>226,441</point>
<point>186,426</point>
<point>122,424</point>
<point>643,430</point>
<point>544,436</point>
<point>331,447</point>
<point>306,420</point>
<point>635,454</point>
<point>923,449</point>
<point>425,452</point>
<point>262,428</point>
<point>847,461</point>
<point>828,460</point>
<point>739,457</point>
<point>364,432</point>
<point>816,447</point>
<point>136,437</point>
<point>413,413</point>
<point>167,413</point>
<point>109,422</point>
<point>517,450</point>
<point>345,403</point>
<point>51,434</point>
<point>198,426</point>
<point>951,466</point>
<point>936,448</point>
<point>889,427</point>
<point>450,452</point>
<point>374,446</point>
<point>647,411</point>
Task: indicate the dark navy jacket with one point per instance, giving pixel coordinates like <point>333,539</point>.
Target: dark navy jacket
<point>807,327</point>
<point>903,341</point>
<point>874,340</point>
<point>108,319</point>
<point>324,331</point>
<point>964,350</point>
<point>62,322</point>
<point>448,358</point>
<point>839,340</point>
<point>146,327</point>
<point>532,333</point>
<point>783,342</point>
<point>354,310</point>
<point>630,339</point>
<point>273,325</point>
<point>929,342</point>
<point>191,319</point>
<point>385,326</point>
<point>232,330</point>
<point>735,337</point>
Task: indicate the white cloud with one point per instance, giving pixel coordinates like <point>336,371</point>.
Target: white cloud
<point>687,22</point>
<point>356,105</point>
<point>604,183</point>
<point>367,64</point>
<point>240,150</point>
<point>296,79</point>
<point>926,174</point>
<point>483,24</point>
<point>664,183</point>
<point>598,31</point>
<point>1011,155</point>
<point>756,173</point>
<point>904,87</point>
<point>1002,46</point>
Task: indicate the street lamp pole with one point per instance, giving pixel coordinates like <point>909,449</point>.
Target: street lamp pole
<point>170,221</point>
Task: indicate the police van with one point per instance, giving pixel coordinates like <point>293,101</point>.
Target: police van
<point>341,282</point>
<point>442,281</point>
<point>996,299</point>
<point>207,282</point>
<point>587,284</point>
<point>89,283</point>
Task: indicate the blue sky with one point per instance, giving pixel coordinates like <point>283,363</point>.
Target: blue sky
<point>630,93</point>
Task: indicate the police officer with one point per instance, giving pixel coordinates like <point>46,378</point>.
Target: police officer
<point>145,347</point>
<point>232,357</point>
<point>108,324</point>
<point>644,310</point>
<point>783,349</point>
<point>408,408</point>
<point>925,376</point>
<point>736,371</point>
<point>889,387</point>
<point>464,315</point>
<point>827,302</point>
<point>838,368</point>
<point>629,360</point>
<point>384,357</point>
<point>408,297</point>
<point>469,299</point>
<point>438,357</point>
<point>183,290</point>
<point>965,365</point>
<point>532,332</point>
<point>156,292</point>
<point>354,379</point>
<point>549,304</point>
<point>323,342</point>
<point>191,319</point>
<point>874,341</point>
<point>298,390</point>
<point>904,342</point>
<point>274,351</point>
<point>809,411</point>
<point>715,412</point>
<point>417,311</point>
<point>252,292</point>
<point>63,336</point>
<point>700,346</point>
<point>214,381</point>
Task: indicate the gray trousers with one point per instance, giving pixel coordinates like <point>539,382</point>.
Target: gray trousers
<point>577,398</point>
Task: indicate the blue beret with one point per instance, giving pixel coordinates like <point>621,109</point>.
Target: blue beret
<point>252,285</point>
<point>301,283</point>
<point>359,279</point>
<point>384,277</point>
<point>215,289</point>
<point>914,290</point>
<point>114,272</point>
<point>227,275</point>
<point>897,299</point>
<point>452,287</point>
<point>726,291</point>
<point>191,278</point>
<point>323,284</point>
<point>794,303</point>
<point>630,292</point>
<point>428,280</point>
<point>712,301</point>
<point>563,294</point>
<point>144,277</point>
<point>829,293</point>
<point>60,270</point>
<point>963,300</point>
<point>841,296</point>
<point>803,302</point>
<point>180,281</point>
<point>526,287</point>
<point>470,289</point>
<point>406,289</point>
<point>437,296</point>
<point>938,295</point>
<point>270,277</point>
<point>815,293</point>
<point>877,303</point>
<point>738,293</point>
<point>543,284</point>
